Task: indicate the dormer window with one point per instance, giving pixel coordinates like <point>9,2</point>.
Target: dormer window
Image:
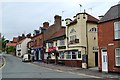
<point>93,29</point>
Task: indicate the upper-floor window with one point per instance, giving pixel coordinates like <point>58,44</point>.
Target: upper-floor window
<point>73,37</point>
<point>40,41</point>
<point>35,42</point>
<point>62,42</point>
<point>117,30</point>
<point>50,44</point>
<point>72,30</point>
<point>93,29</point>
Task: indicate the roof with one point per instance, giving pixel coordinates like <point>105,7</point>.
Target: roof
<point>92,19</point>
<point>21,41</point>
<point>11,44</point>
<point>89,19</point>
<point>59,33</point>
<point>73,22</point>
<point>112,13</point>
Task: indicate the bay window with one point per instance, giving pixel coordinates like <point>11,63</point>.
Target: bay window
<point>73,55</point>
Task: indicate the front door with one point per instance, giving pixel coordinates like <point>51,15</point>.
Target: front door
<point>104,60</point>
<point>96,58</point>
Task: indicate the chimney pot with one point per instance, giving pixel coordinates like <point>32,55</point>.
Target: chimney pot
<point>100,17</point>
<point>46,25</point>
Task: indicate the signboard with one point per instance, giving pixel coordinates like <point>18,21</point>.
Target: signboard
<point>84,58</point>
<point>51,49</point>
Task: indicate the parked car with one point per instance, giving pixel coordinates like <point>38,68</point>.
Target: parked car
<point>26,58</point>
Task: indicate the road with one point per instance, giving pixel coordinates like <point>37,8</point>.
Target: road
<point>15,68</point>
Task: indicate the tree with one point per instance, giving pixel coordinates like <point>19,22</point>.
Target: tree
<point>3,43</point>
<point>10,49</point>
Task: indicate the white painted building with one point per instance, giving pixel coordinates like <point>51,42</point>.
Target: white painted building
<point>21,47</point>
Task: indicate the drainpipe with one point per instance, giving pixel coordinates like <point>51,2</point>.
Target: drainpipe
<point>87,44</point>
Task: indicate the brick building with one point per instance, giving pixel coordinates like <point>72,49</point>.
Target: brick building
<point>109,40</point>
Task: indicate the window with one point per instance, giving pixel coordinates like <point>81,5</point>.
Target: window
<point>56,43</point>
<point>117,56</point>
<point>35,42</point>
<point>72,31</point>
<point>93,29</point>
<point>62,55</point>
<point>73,54</point>
<point>62,42</point>
<point>79,54</point>
<point>117,30</point>
<point>50,45</point>
<point>68,55</point>
<point>72,38</point>
<point>40,41</point>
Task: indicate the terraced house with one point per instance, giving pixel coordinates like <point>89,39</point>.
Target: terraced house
<point>109,40</point>
<point>54,40</point>
<point>36,43</point>
<point>21,46</point>
<point>82,48</point>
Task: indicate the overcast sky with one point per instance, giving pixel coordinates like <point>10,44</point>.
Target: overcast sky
<point>24,16</point>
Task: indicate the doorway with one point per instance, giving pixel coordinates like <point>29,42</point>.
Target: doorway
<point>104,60</point>
<point>96,59</point>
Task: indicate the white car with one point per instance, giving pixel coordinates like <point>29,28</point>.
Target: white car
<point>26,58</point>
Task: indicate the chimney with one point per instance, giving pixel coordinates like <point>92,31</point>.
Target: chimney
<point>46,25</point>
<point>57,20</point>
<point>100,17</point>
<point>28,35</point>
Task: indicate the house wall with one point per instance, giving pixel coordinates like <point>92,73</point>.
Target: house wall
<point>22,47</point>
<point>81,27</point>
<point>92,42</point>
<point>106,37</point>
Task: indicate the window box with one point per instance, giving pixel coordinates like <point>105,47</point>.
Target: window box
<point>62,47</point>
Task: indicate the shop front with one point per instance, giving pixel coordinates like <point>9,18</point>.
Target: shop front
<point>37,54</point>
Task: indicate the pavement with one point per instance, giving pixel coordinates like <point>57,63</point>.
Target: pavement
<point>91,71</point>
<point>1,60</point>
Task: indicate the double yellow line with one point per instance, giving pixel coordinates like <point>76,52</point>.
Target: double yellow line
<point>3,63</point>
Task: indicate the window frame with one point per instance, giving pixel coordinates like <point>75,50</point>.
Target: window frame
<point>116,30</point>
<point>116,63</point>
<point>62,41</point>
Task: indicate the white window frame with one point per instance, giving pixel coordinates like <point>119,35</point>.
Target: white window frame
<point>117,56</point>
<point>70,53</point>
<point>117,30</point>
<point>62,42</point>
<point>73,37</point>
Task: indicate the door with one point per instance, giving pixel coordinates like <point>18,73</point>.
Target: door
<point>37,55</point>
<point>104,60</point>
<point>96,58</point>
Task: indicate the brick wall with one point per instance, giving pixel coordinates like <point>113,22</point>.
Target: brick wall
<point>105,37</point>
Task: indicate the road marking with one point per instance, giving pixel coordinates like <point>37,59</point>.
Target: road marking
<point>89,75</point>
<point>67,72</point>
<point>4,63</point>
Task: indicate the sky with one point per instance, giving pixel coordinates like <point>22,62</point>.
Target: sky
<point>24,16</point>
